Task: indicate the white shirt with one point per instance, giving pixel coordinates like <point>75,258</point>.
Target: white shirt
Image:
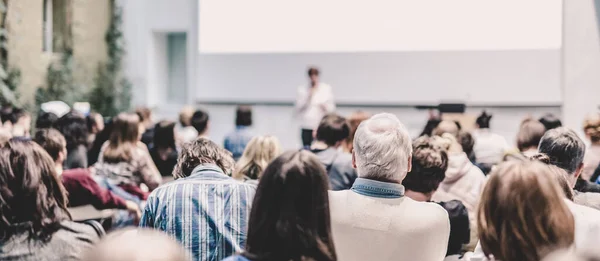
<point>489,147</point>
<point>310,110</point>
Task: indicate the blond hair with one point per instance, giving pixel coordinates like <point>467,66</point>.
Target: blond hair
<point>522,214</point>
<point>259,152</point>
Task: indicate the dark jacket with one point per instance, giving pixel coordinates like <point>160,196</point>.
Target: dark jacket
<point>586,186</point>
<point>460,231</point>
<point>339,168</point>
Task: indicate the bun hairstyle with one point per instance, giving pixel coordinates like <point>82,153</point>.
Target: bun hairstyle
<point>591,127</point>
<point>483,121</point>
<point>561,175</point>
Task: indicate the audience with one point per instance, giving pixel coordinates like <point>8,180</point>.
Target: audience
<point>134,245</point>
<point>550,121</point>
<point>73,127</point>
<point>99,140</point>
<point>523,215</point>
<point>354,120</point>
<point>204,208</point>
<point>34,221</point>
<point>566,151</point>
<point>464,181</point>
<point>466,141</point>
<point>79,184</point>
<point>429,164</point>
<point>145,115</point>
<point>125,161</point>
<point>489,147</point>
<point>164,148</point>
<point>290,213</point>
<point>185,130</point>
<point>95,124</point>
<point>333,130</point>
<point>591,161</point>
<point>529,136</point>
<point>236,141</point>
<point>20,122</point>
<point>373,220</point>
<point>46,120</point>
<point>200,122</point>
<point>258,154</point>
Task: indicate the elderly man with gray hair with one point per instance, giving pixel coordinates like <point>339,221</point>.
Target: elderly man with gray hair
<point>374,220</point>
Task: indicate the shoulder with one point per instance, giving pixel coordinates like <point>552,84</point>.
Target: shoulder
<point>73,231</point>
<point>427,209</point>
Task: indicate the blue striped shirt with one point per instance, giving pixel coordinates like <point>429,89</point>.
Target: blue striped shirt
<point>236,141</point>
<point>206,212</point>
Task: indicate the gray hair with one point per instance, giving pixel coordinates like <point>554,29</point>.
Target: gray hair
<point>199,152</point>
<point>564,148</point>
<point>382,148</point>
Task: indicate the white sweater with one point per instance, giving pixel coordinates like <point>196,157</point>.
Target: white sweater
<point>399,229</point>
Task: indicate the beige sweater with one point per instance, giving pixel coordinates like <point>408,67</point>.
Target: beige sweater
<point>399,229</point>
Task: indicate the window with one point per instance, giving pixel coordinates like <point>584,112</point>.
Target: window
<point>55,27</point>
<point>177,67</point>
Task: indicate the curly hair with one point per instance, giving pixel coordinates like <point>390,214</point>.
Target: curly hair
<point>32,197</point>
<point>199,152</point>
<point>429,164</point>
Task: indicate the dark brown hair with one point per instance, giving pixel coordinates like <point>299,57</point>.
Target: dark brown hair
<point>123,138</point>
<point>243,116</point>
<point>313,71</point>
<point>522,215</point>
<point>32,197</point>
<point>290,219</point>
<point>164,135</point>
<point>429,164</point>
<point>52,141</point>
<point>332,129</point>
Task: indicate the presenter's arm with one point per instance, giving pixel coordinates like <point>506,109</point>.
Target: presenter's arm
<point>329,104</point>
<point>302,99</point>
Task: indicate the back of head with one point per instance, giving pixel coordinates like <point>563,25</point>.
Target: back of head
<point>243,116</point>
<point>429,164</point>
<point>466,141</point>
<point>530,134</point>
<point>290,213</point>
<point>200,121</point>
<point>354,120</point>
<point>74,127</point>
<point>560,174</point>
<point>46,120</point>
<point>144,113</point>
<point>199,152</point>
<point>333,129</point>
<point>17,114</point>
<point>591,127</point>
<point>565,149</point>
<point>140,244</point>
<point>382,149</point>
<point>550,121</point>
<point>93,121</point>
<point>31,193</point>
<point>522,214</point>
<point>52,141</point>
<point>123,138</point>
<point>164,135</point>
<point>185,116</point>
<point>446,126</point>
<point>483,121</point>
<point>259,152</point>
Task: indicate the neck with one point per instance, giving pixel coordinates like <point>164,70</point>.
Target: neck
<point>58,166</point>
<point>319,145</point>
<point>418,196</point>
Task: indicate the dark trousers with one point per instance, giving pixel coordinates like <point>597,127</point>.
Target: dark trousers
<point>307,138</point>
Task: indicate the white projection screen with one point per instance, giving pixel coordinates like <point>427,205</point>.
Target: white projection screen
<point>382,51</point>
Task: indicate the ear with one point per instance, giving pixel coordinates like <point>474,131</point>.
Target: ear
<point>578,171</point>
<point>314,134</point>
<point>62,156</point>
<point>353,159</point>
<point>409,169</point>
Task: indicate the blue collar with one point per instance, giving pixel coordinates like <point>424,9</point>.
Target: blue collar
<point>241,127</point>
<point>208,171</point>
<point>377,189</point>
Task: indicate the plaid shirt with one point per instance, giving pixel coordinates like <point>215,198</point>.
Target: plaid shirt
<point>206,212</point>
<point>236,141</point>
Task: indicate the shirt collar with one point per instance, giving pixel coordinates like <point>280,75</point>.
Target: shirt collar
<point>377,189</point>
<point>208,171</point>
